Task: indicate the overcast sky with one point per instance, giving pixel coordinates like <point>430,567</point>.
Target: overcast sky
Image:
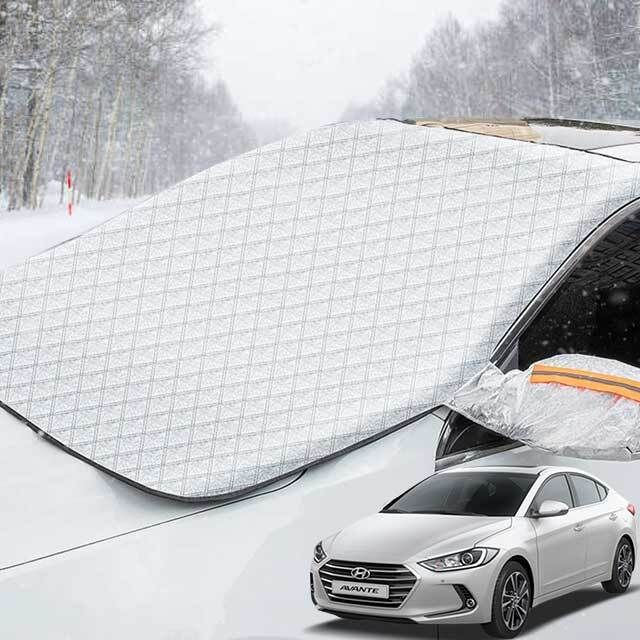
<point>305,60</point>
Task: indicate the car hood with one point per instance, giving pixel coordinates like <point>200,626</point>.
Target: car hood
<point>401,537</point>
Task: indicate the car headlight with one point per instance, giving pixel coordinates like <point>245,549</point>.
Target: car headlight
<point>318,553</point>
<point>462,560</point>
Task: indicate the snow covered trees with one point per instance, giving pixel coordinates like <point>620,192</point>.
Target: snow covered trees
<point>110,90</point>
<point>574,58</point>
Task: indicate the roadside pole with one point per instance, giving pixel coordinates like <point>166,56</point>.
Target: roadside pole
<point>68,184</point>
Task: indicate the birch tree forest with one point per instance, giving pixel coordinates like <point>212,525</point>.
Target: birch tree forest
<point>547,58</point>
<point>111,90</point>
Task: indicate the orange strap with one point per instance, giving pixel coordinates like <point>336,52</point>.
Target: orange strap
<point>603,382</point>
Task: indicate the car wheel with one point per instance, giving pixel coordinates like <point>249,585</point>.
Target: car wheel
<point>511,602</point>
<point>623,563</point>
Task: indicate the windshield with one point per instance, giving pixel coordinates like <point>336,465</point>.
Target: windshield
<point>466,494</point>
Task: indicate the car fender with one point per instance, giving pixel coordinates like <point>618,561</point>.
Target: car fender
<point>630,532</point>
<point>519,541</point>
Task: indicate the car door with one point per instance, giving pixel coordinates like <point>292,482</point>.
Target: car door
<point>599,524</point>
<point>561,540</point>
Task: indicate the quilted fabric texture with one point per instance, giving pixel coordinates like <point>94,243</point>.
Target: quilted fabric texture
<point>293,302</point>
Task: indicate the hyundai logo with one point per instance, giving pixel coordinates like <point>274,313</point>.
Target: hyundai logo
<point>360,573</point>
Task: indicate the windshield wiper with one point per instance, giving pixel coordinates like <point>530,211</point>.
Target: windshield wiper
<point>450,513</point>
<point>444,513</point>
<point>438,512</point>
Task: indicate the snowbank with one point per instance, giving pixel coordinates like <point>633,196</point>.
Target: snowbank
<point>26,233</point>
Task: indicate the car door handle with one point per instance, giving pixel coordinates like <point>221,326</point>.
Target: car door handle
<point>578,527</point>
<point>613,516</point>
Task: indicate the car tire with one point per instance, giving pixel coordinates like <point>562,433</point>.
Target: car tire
<point>622,568</point>
<point>511,602</point>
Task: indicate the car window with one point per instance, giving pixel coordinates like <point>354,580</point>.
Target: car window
<point>585,490</point>
<point>462,434</point>
<point>596,309</point>
<point>602,490</point>
<point>471,493</point>
<point>556,488</point>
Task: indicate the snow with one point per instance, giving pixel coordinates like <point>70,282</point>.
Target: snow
<point>27,233</point>
<point>237,572</point>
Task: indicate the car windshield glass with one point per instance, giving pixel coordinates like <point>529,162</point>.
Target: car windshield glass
<point>596,310</point>
<point>476,493</point>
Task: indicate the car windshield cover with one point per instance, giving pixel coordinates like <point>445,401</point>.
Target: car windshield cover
<point>292,303</point>
<point>466,494</point>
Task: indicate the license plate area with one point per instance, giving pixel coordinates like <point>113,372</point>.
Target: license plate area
<point>360,590</point>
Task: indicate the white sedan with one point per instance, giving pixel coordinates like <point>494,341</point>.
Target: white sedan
<point>478,545</point>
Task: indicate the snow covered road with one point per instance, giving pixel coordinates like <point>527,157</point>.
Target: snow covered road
<point>28,233</point>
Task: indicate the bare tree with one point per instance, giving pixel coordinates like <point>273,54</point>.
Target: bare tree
<point>112,90</point>
<point>575,58</point>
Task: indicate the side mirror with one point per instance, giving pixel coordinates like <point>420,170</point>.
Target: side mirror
<point>550,509</point>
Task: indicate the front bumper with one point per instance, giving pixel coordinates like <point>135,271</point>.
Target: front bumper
<point>436,598</point>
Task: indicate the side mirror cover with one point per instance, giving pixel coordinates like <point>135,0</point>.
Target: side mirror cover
<point>551,508</point>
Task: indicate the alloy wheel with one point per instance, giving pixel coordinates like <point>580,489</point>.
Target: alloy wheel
<point>515,600</point>
<point>624,566</point>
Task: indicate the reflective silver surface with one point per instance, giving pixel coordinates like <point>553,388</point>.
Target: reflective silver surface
<point>291,303</point>
<point>560,419</point>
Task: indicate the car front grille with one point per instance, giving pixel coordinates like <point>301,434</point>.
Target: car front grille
<point>400,580</point>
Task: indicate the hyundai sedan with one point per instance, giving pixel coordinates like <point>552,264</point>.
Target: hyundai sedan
<point>478,545</point>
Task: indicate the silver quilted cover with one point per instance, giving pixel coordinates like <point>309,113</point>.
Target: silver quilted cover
<point>560,419</point>
<point>296,301</point>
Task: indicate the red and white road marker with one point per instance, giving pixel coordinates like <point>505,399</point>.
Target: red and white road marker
<point>68,183</point>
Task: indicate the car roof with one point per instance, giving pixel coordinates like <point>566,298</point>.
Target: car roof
<point>532,470</point>
<point>604,138</point>
<point>535,470</point>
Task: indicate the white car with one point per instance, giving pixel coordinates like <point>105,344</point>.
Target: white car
<point>478,545</point>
